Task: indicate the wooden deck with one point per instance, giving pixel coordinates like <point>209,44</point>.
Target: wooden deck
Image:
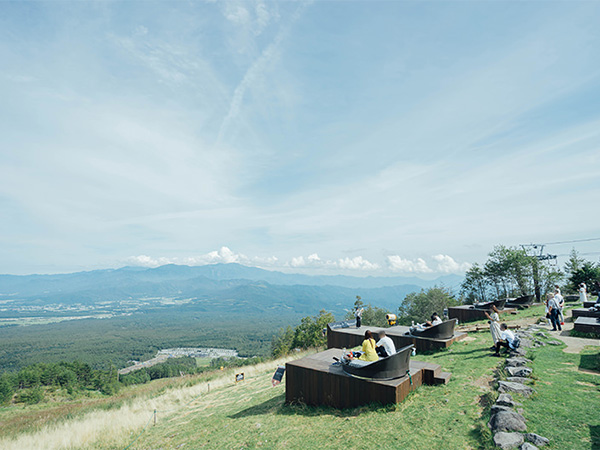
<point>313,380</point>
<point>467,313</point>
<point>584,312</point>
<point>352,337</point>
<point>587,325</point>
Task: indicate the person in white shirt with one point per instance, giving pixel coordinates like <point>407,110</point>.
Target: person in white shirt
<point>385,346</point>
<point>554,310</point>
<point>435,320</point>
<point>560,303</point>
<point>358,314</point>
<point>507,339</point>
<point>582,293</point>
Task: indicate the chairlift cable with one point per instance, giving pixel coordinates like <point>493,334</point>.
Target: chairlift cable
<point>569,242</point>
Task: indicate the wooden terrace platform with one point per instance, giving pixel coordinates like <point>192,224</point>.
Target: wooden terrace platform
<point>313,380</point>
<point>353,337</point>
<point>584,312</point>
<point>468,313</point>
<point>587,325</point>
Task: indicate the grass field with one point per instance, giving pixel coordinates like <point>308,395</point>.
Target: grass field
<point>252,414</point>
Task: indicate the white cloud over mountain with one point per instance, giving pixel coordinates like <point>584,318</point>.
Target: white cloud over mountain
<point>442,264</point>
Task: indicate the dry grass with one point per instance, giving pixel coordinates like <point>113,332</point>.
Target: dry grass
<point>103,428</point>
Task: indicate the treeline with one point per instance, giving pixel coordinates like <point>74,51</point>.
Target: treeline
<point>35,383</point>
<point>30,384</point>
<point>512,272</point>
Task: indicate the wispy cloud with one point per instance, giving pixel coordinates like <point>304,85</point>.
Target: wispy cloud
<point>261,64</point>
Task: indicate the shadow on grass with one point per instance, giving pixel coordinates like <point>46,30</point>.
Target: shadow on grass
<point>590,361</point>
<point>276,405</point>
<point>595,436</point>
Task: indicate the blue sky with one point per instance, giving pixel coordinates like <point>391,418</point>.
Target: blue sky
<point>354,137</point>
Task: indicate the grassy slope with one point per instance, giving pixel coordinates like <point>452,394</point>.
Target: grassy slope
<point>251,414</point>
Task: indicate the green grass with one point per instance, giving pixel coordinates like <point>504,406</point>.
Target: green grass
<point>566,406</point>
<point>252,414</point>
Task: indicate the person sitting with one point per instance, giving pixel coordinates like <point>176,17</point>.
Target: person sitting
<point>385,346</point>
<point>435,320</point>
<point>368,348</point>
<point>507,339</point>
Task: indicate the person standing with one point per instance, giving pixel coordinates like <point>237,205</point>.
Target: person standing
<point>582,293</point>
<point>494,319</point>
<point>560,302</point>
<point>358,314</point>
<point>554,310</point>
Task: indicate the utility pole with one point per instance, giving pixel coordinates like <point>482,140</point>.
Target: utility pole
<point>532,248</point>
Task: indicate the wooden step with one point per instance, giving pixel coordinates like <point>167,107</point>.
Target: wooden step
<point>442,378</point>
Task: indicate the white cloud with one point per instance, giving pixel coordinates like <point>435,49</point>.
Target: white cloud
<point>313,260</point>
<point>399,264</point>
<point>356,263</point>
<point>224,256</point>
<point>447,264</point>
<point>147,261</point>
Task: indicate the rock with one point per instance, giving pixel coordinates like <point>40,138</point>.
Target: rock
<point>541,334</point>
<point>519,388</point>
<point>526,343</point>
<point>517,361</point>
<point>554,343</point>
<point>497,408</point>
<point>506,400</point>
<point>507,421</point>
<point>520,411</point>
<point>519,371</point>
<point>517,379</point>
<point>518,352</point>
<point>527,446</point>
<point>537,343</point>
<point>508,440</point>
<point>537,439</point>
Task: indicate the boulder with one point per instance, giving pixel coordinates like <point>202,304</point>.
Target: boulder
<point>527,446</point>
<point>526,343</point>
<point>519,371</point>
<point>519,388</point>
<point>508,440</point>
<point>554,343</point>
<point>541,334</point>
<point>506,400</point>
<point>517,379</point>
<point>518,352</point>
<point>507,421</point>
<point>517,361</point>
<point>536,439</point>
<point>497,408</point>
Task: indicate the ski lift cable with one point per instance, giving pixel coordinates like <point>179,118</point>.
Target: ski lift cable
<point>570,242</point>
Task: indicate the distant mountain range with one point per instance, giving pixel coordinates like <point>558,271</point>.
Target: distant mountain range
<point>212,285</point>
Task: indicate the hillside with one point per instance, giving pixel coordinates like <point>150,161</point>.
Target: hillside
<point>251,414</point>
<point>207,283</point>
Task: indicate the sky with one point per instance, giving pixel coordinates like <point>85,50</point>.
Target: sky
<point>359,137</point>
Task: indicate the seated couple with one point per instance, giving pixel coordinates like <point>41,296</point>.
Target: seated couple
<point>507,339</point>
<point>372,351</point>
